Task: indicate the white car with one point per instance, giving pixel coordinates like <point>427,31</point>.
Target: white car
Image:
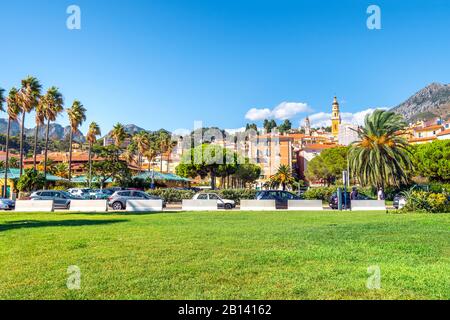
<point>79,192</point>
<point>221,203</point>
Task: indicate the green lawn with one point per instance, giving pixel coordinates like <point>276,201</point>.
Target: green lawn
<point>225,255</point>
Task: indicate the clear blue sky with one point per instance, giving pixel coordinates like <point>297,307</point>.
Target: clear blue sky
<point>166,63</point>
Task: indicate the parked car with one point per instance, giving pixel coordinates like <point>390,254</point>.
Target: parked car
<point>80,192</point>
<point>281,197</point>
<point>61,199</point>
<point>221,203</point>
<point>7,204</point>
<point>100,194</point>
<point>333,202</point>
<point>118,200</point>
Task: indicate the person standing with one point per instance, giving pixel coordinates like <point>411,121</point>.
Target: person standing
<point>381,195</point>
<point>354,195</point>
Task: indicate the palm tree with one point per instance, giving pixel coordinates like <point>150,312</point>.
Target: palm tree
<point>118,134</point>
<point>52,104</point>
<point>142,142</point>
<point>77,115</point>
<point>2,101</point>
<point>61,169</point>
<point>13,111</point>
<point>29,95</point>
<point>94,131</point>
<point>165,144</point>
<point>283,177</point>
<point>39,121</point>
<point>380,157</point>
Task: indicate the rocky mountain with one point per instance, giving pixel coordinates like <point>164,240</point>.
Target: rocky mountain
<point>430,102</point>
<point>56,132</point>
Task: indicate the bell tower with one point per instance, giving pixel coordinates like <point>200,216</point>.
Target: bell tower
<point>335,118</point>
<point>307,126</point>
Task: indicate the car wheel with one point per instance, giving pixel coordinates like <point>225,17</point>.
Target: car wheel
<point>117,206</point>
<point>228,206</point>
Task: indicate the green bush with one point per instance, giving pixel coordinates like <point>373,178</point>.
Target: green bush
<point>172,195</point>
<point>237,194</point>
<point>421,201</point>
<point>31,180</point>
<point>319,193</point>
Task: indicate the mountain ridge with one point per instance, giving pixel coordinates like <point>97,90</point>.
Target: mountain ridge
<point>427,103</point>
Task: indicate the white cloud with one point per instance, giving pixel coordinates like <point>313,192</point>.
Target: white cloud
<point>234,131</point>
<point>258,114</point>
<point>323,119</point>
<point>283,111</point>
<point>182,132</point>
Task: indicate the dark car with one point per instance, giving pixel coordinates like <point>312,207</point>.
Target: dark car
<point>61,199</point>
<point>281,197</point>
<point>118,200</point>
<point>7,204</point>
<point>333,202</point>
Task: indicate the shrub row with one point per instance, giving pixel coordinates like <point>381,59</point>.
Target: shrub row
<point>420,201</point>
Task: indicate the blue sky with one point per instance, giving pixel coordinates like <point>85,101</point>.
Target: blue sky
<point>167,63</point>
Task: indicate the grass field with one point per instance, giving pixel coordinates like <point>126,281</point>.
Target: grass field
<point>225,255</point>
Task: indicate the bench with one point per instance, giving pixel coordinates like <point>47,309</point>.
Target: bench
<point>368,205</point>
<point>88,205</point>
<point>258,205</point>
<point>305,205</point>
<point>34,206</point>
<point>144,205</point>
<point>199,205</point>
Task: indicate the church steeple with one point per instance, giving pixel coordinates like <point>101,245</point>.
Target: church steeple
<point>335,118</point>
<point>307,126</point>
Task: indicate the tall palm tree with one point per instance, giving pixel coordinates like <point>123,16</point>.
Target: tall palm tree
<point>2,101</point>
<point>119,134</point>
<point>39,121</point>
<point>165,145</point>
<point>93,132</point>
<point>77,115</point>
<point>380,156</point>
<point>13,111</point>
<point>29,95</point>
<point>283,177</point>
<point>52,104</point>
<point>142,142</point>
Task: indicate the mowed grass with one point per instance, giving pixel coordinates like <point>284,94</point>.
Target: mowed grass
<point>225,255</point>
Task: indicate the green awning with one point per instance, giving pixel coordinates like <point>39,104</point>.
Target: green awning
<point>14,173</point>
<point>161,176</point>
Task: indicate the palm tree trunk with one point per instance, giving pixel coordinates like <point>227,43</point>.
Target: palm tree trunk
<point>168,163</point>
<point>90,165</point>
<point>70,155</point>
<point>161,164</point>
<point>22,133</point>
<point>5,187</point>
<point>36,132</point>
<point>46,151</point>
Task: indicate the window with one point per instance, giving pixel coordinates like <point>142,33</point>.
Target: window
<point>138,194</point>
<point>46,194</point>
<point>213,196</point>
<point>125,194</point>
<point>202,197</point>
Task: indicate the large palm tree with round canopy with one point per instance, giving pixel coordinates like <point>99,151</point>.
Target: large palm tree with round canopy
<point>380,156</point>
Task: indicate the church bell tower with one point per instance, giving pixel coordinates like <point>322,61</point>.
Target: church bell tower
<point>335,118</point>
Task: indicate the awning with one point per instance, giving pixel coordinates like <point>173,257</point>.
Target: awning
<point>15,174</point>
<point>161,176</point>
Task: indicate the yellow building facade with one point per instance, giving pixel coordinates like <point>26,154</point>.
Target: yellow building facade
<point>336,119</point>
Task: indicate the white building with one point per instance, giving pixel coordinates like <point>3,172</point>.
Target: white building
<point>347,134</point>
